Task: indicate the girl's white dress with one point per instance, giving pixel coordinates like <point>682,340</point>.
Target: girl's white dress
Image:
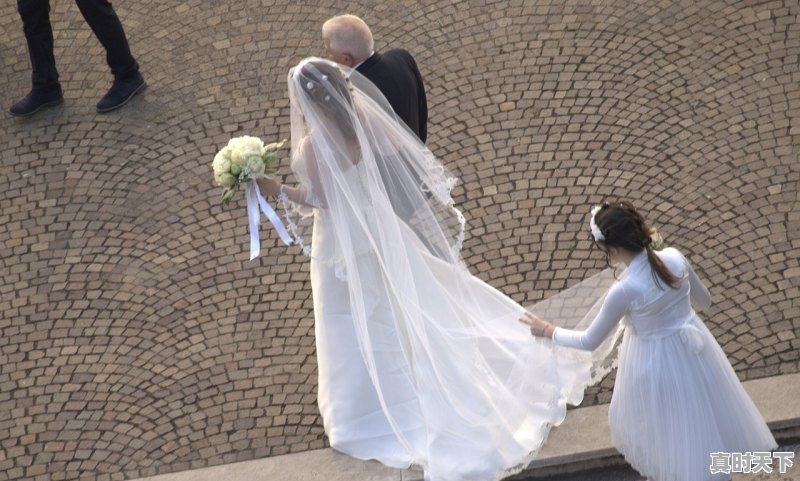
<point>676,398</point>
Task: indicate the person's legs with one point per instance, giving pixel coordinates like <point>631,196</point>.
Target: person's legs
<point>105,24</point>
<point>35,15</point>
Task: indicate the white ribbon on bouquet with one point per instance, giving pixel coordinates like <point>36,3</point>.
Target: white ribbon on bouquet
<point>254,201</point>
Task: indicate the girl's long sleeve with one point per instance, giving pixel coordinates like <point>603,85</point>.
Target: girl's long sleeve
<point>614,307</point>
<point>698,293</point>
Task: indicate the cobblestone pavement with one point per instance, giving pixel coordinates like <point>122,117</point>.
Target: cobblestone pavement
<point>137,338</point>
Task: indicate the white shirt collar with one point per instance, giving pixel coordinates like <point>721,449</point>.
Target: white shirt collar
<point>359,63</point>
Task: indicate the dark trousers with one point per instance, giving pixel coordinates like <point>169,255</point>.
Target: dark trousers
<point>104,23</point>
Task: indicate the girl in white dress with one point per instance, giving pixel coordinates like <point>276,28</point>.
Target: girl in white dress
<point>676,399</point>
<point>420,363</point>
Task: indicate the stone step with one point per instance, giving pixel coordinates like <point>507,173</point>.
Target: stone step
<point>581,443</point>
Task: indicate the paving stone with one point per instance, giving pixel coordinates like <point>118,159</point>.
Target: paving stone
<point>137,338</point>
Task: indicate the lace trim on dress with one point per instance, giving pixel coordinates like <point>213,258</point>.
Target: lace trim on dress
<point>290,224</point>
<point>338,263</point>
<point>442,188</point>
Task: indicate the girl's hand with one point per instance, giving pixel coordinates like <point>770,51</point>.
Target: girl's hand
<point>539,327</point>
<point>269,187</point>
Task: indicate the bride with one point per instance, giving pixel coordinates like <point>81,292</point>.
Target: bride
<point>420,363</point>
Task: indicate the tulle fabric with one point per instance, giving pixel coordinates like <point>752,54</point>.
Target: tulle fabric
<point>336,126</point>
<point>420,363</point>
<point>677,400</point>
<point>576,308</point>
<point>676,397</point>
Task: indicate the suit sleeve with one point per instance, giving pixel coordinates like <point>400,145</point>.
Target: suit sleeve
<point>422,101</point>
<point>423,107</point>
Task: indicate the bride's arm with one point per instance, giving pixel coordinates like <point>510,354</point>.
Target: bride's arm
<point>300,194</point>
<point>311,195</point>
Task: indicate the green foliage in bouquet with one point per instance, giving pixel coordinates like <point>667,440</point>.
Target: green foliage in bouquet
<point>244,159</point>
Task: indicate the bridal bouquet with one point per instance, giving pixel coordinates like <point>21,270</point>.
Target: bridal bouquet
<point>244,159</point>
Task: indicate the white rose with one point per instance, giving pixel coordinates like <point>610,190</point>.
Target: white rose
<point>235,143</point>
<point>217,162</point>
<point>236,165</point>
<point>255,147</point>
<point>226,180</point>
<point>222,161</point>
<point>255,166</point>
<point>247,145</point>
<point>238,158</point>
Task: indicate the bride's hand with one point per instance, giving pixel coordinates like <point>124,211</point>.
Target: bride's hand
<point>269,187</point>
<point>539,327</point>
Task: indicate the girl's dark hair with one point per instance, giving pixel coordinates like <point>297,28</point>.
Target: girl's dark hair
<point>622,226</point>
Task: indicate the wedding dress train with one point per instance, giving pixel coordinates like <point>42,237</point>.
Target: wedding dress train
<point>420,362</point>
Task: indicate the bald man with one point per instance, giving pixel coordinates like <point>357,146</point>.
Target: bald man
<point>348,41</point>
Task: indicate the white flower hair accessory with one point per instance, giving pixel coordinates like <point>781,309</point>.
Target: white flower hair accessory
<point>596,232</point>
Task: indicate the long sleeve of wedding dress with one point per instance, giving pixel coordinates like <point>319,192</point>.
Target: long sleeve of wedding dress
<point>310,193</point>
<point>698,293</point>
<point>614,307</point>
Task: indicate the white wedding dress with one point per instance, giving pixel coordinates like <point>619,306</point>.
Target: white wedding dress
<point>479,415</point>
<point>420,363</point>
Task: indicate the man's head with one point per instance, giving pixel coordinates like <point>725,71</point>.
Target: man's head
<point>348,40</point>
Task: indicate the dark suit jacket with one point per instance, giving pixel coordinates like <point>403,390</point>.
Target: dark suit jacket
<point>396,75</point>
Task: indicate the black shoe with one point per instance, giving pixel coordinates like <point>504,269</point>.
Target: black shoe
<point>121,92</point>
<point>35,101</point>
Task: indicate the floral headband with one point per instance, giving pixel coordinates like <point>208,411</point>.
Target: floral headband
<point>596,232</point>
<point>656,241</point>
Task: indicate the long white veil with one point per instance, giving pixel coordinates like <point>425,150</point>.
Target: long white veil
<point>348,129</point>
<point>485,393</point>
